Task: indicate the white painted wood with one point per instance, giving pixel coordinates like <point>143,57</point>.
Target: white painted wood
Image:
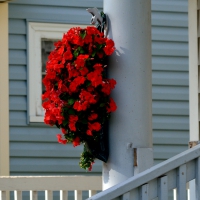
<point>63,195</point>
<point>144,159</point>
<point>144,192</point>
<point>134,194</point>
<point>17,195</point>
<point>150,174</point>
<point>197,178</point>
<point>33,195</point>
<point>48,195</point>
<point>92,193</point>
<point>3,195</point>
<point>37,31</point>
<point>4,92</point>
<point>181,183</point>
<point>137,73</point>
<point>163,188</point>
<point>193,70</point>
<point>175,194</point>
<point>126,196</point>
<point>77,194</point>
<point>42,183</point>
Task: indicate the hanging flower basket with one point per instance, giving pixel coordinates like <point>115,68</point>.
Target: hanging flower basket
<point>77,92</point>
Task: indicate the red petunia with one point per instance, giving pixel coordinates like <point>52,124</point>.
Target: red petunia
<point>89,132</point>
<point>60,140</point>
<point>64,131</point>
<point>96,126</point>
<point>72,122</point>
<point>109,48</point>
<point>80,61</point>
<point>93,116</point>
<point>76,141</point>
<point>90,168</point>
<point>112,106</point>
<point>79,106</point>
<point>95,78</point>
<point>76,82</point>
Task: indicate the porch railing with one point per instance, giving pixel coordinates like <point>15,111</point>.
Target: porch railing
<point>156,182</point>
<point>63,184</point>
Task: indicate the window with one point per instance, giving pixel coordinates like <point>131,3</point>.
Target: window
<point>41,39</point>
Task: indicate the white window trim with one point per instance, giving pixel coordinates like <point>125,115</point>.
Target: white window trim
<point>37,31</point>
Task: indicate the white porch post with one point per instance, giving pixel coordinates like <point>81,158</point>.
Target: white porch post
<point>193,79</point>
<point>4,118</point>
<point>131,125</point>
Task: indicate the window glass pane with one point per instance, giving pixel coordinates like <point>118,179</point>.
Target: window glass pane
<point>47,46</point>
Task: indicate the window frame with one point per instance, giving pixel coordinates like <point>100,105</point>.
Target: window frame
<point>37,31</point>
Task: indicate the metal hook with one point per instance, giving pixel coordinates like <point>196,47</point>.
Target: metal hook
<point>101,18</point>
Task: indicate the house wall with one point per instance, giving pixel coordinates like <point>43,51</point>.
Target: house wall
<point>4,126</point>
<point>33,146</point>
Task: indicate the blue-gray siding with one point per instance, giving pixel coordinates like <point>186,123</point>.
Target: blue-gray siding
<point>33,147</point>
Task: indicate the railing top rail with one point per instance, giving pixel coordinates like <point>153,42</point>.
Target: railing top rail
<point>148,175</point>
<point>54,183</point>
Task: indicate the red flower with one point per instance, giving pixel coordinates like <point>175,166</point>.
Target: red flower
<point>64,131</point>
<point>93,116</point>
<point>76,87</point>
<point>60,140</point>
<point>95,78</point>
<point>109,48</point>
<point>112,106</point>
<point>96,126</point>
<point>72,122</point>
<point>89,132</point>
<point>79,106</point>
<point>80,61</point>
<point>76,141</point>
<point>68,55</point>
<point>76,82</point>
<point>90,168</point>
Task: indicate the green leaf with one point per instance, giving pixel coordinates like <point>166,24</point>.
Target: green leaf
<point>82,51</point>
<point>71,101</point>
<point>65,122</point>
<point>88,83</point>
<point>71,111</point>
<point>83,34</point>
<point>76,53</point>
<point>84,121</point>
<point>94,53</point>
<point>102,104</point>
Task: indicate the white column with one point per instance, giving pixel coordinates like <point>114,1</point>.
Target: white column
<point>130,28</point>
<point>193,79</point>
<point>4,100</point>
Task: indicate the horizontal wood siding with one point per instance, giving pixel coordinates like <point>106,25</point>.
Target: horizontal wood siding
<point>170,90</point>
<point>33,147</point>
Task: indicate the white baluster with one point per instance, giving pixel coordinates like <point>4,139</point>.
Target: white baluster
<point>17,195</point>
<point>197,178</point>
<point>48,195</point>
<point>78,194</point>
<point>33,195</point>
<point>126,196</point>
<point>144,192</point>
<point>163,188</point>
<point>181,183</point>
<point>92,193</point>
<point>3,195</point>
<point>63,195</point>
